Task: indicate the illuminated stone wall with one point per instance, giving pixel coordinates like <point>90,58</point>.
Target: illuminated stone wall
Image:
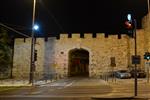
<point>21,58</point>
<point>146,27</point>
<point>53,54</point>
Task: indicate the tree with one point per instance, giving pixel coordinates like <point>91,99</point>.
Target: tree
<point>5,54</point>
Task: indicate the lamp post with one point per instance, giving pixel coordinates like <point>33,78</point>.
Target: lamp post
<point>135,68</point>
<point>131,27</point>
<point>133,21</point>
<point>32,62</point>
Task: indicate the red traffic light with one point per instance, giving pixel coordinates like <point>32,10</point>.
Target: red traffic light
<point>128,25</point>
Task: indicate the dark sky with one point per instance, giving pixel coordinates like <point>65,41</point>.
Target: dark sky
<point>71,15</point>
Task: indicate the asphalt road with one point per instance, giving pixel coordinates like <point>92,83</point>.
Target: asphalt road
<point>78,89</point>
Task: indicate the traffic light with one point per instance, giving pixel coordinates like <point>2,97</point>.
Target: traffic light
<point>147,55</point>
<point>129,25</point>
<point>35,55</point>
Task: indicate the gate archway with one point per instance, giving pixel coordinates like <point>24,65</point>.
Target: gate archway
<point>78,63</point>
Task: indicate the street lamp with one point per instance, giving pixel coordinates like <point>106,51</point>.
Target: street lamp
<point>135,43</point>
<point>35,27</point>
<point>129,17</point>
<point>32,62</point>
<point>134,24</point>
<point>130,25</point>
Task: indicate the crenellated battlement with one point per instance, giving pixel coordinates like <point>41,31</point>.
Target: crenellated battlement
<point>88,36</point>
<point>54,54</point>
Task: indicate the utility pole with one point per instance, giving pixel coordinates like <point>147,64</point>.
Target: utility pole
<point>32,63</point>
<point>131,26</point>
<point>148,5</point>
<point>135,73</point>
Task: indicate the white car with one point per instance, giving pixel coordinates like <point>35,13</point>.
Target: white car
<point>122,74</point>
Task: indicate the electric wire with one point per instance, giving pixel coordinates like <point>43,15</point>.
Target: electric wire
<point>17,27</point>
<point>51,15</point>
<point>1,24</point>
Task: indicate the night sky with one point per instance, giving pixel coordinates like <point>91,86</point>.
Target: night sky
<point>55,16</point>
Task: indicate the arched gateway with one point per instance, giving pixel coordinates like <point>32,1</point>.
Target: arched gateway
<point>78,63</point>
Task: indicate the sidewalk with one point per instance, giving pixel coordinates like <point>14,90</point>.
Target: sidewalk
<point>128,81</point>
<point>11,82</point>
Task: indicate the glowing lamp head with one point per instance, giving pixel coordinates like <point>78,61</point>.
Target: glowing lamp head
<point>129,17</point>
<point>35,27</point>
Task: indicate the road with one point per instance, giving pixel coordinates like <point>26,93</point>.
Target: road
<point>79,88</point>
<point>126,87</point>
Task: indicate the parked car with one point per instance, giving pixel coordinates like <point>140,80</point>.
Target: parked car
<point>122,74</point>
<point>140,73</point>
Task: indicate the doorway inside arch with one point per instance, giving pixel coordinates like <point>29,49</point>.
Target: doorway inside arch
<point>78,63</point>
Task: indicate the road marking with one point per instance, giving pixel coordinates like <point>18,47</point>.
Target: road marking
<point>70,84</point>
<point>67,85</point>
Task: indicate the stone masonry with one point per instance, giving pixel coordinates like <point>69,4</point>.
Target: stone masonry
<point>53,54</point>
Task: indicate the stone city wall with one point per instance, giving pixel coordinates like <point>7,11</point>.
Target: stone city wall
<point>52,57</point>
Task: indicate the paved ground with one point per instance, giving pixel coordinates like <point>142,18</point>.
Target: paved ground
<point>125,87</point>
<point>80,88</point>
